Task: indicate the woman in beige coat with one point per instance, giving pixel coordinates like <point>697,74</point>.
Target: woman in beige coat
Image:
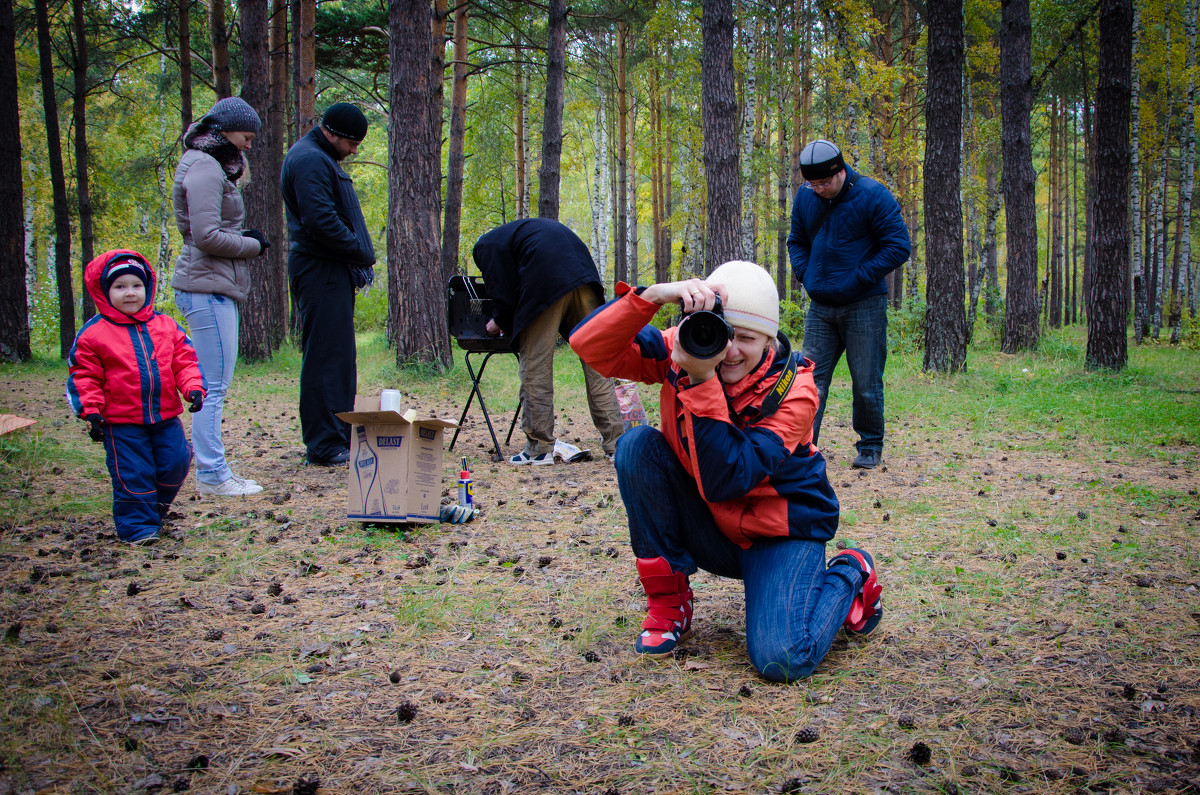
<point>212,275</point>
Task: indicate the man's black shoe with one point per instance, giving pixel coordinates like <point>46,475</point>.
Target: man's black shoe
<point>337,459</point>
<point>867,459</point>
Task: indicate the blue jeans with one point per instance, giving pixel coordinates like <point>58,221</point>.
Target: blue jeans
<point>794,605</point>
<point>213,326</point>
<point>859,330</point>
<point>147,464</point>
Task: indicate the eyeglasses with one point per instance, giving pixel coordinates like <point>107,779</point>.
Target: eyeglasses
<point>821,183</point>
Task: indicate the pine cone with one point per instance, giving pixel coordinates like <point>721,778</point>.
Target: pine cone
<point>809,734</point>
<point>906,721</point>
<point>920,753</point>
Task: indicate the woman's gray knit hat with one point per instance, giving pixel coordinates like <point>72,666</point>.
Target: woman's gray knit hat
<point>232,114</point>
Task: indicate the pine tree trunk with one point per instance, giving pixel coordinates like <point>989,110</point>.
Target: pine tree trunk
<point>621,245</point>
<point>749,30</point>
<point>719,112</point>
<point>521,141</point>
<point>782,168</point>
<point>991,268</point>
<point>58,185</point>
<point>254,327</point>
<point>632,219</point>
<point>456,158</point>
<point>1188,149</point>
<point>1054,236</point>
<point>416,291</point>
<point>1106,345</point>
<point>14,309</point>
<point>219,33</point>
<point>87,236</point>
<point>549,175</point>
<point>185,62</point>
<point>276,125</point>
<point>657,216</point>
<point>945,319</point>
<point>304,62</point>
<point>1016,99</point>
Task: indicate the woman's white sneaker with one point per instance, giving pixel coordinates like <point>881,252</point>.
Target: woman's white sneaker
<point>234,486</point>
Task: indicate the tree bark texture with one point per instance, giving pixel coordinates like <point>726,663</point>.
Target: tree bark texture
<point>1021,330</point>
<point>304,64</point>
<point>719,110</point>
<point>14,309</point>
<point>58,185</point>
<point>87,236</point>
<point>416,291</point>
<point>549,175</point>
<point>219,32</point>
<point>456,160</point>
<point>1107,345</point>
<point>621,245</point>
<point>185,62</point>
<point>275,228</point>
<point>254,328</point>
<point>945,316</point>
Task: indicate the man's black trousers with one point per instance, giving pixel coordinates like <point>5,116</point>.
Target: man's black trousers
<point>323,294</point>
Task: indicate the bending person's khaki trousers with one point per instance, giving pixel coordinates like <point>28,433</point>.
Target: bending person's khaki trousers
<point>536,347</point>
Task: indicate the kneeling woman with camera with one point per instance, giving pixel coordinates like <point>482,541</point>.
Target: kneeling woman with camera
<point>731,483</point>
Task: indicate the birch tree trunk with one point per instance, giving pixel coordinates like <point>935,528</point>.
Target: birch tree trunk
<point>621,245</point>
<point>1135,159</point>
<point>749,107</point>
<point>1106,345</point>
<point>14,307</point>
<point>521,140</point>
<point>1188,166</point>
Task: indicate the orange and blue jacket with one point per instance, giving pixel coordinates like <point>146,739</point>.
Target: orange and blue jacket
<point>761,476</point>
<point>130,369</point>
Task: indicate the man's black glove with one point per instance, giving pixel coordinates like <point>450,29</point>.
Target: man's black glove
<point>197,399</point>
<point>95,426</point>
<point>363,276</point>
<point>263,243</point>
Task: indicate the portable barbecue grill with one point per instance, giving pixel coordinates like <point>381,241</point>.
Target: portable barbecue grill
<point>468,310</point>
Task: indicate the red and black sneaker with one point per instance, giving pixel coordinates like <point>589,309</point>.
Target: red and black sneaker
<point>866,611</point>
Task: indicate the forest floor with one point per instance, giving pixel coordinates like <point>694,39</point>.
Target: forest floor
<point>1042,629</point>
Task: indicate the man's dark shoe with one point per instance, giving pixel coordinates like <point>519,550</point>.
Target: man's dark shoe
<point>867,459</point>
<point>337,459</point>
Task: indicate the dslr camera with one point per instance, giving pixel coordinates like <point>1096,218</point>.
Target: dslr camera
<point>704,334</point>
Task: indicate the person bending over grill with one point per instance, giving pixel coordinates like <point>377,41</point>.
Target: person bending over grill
<point>543,281</point>
<point>732,483</point>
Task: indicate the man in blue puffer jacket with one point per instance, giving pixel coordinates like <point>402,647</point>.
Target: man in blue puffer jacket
<point>847,236</point>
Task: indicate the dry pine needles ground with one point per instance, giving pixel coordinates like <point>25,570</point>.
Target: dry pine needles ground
<point>1040,636</point>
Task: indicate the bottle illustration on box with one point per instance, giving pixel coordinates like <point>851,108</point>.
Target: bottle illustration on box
<point>366,467</point>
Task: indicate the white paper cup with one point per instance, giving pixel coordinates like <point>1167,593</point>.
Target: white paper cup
<point>389,400</point>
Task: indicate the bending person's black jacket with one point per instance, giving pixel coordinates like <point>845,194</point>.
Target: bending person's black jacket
<point>529,264</point>
<point>324,218</point>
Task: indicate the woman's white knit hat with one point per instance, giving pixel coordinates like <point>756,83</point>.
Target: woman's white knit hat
<point>753,301</point>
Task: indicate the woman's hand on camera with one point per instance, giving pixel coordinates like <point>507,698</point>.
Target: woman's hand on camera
<point>691,294</point>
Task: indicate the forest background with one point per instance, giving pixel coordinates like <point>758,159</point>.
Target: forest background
<point>666,134</point>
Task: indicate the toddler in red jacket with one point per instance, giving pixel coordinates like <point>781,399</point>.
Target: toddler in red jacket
<point>128,367</point>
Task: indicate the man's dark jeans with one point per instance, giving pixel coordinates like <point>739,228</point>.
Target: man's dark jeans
<point>860,330</point>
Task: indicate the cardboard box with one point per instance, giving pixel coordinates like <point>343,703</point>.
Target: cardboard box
<point>395,464</point>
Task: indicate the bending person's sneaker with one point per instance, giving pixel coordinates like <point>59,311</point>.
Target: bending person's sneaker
<point>668,608</point>
<point>523,457</point>
<point>866,611</point>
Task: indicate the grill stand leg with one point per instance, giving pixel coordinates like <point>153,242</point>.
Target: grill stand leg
<point>476,392</point>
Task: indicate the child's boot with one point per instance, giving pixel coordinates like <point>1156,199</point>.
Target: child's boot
<point>668,608</point>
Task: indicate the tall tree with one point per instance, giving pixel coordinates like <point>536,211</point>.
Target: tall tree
<point>1016,100</point>
<point>1188,178</point>
<point>256,331</point>
<point>58,184</point>
<point>621,197</point>
<point>304,64</point>
<point>79,122</point>
<point>185,61</point>
<point>220,34</point>
<point>945,316</point>
<point>719,111</point>
<point>14,311</point>
<point>1106,345</point>
<point>456,159</point>
<point>416,294</point>
<point>549,175</point>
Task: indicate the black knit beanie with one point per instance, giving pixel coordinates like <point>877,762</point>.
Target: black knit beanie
<point>821,159</point>
<point>345,121</point>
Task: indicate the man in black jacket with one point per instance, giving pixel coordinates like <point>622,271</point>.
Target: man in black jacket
<point>330,256</point>
<point>543,282</point>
